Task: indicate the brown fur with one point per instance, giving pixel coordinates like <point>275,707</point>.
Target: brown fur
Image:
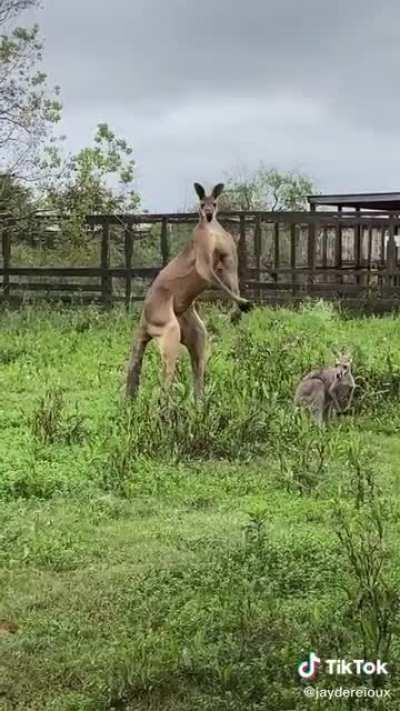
<point>169,315</point>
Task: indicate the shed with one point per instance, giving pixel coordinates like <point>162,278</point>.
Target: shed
<point>357,201</point>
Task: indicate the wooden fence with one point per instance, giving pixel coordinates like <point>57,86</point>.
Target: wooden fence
<point>282,256</point>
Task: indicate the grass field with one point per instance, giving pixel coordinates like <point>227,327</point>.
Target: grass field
<point>171,556</point>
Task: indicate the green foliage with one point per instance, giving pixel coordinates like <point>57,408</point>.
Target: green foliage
<point>267,189</point>
<point>15,198</point>
<point>362,527</point>
<point>98,179</point>
<point>49,424</point>
<point>86,182</point>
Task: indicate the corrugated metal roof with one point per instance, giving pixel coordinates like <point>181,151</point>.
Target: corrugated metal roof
<point>368,201</point>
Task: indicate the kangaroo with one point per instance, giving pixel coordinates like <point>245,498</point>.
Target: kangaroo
<point>327,391</point>
<point>169,314</point>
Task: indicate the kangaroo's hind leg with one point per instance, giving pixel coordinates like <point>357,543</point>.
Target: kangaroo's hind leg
<point>169,344</point>
<point>135,362</point>
<point>318,405</point>
<point>194,337</point>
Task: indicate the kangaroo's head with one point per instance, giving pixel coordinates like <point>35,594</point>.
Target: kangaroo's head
<point>343,370</point>
<point>208,203</point>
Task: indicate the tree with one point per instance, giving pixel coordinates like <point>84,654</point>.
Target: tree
<point>10,8</point>
<point>27,108</point>
<point>266,189</point>
<point>98,179</point>
<point>17,197</point>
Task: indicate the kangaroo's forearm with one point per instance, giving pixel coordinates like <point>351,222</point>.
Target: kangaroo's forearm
<point>218,282</point>
<point>207,272</point>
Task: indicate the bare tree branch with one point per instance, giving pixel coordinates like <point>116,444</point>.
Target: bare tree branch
<point>11,8</point>
<point>27,109</point>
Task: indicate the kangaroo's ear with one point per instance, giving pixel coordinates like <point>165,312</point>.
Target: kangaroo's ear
<point>201,193</point>
<point>217,190</point>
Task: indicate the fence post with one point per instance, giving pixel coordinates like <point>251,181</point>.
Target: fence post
<point>257,252</point>
<point>276,260</point>
<point>6,252</point>
<point>293,257</point>
<point>383,246</point>
<point>106,281</point>
<point>324,247</point>
<point>338,248</point>
<point>357,246</point>
<point>164,242</point>
<point>381,264</point>
<point>242,254</point>
<point>311,250</point>
<point>369,256</point>
<point>391,258</point>
<point>128,264</point>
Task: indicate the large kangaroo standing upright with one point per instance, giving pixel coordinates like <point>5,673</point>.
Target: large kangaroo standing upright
<point>169,314</point>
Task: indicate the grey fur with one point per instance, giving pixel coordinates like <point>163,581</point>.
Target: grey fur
<point>326,391</point>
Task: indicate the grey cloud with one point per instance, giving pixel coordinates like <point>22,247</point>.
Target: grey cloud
<point>201,85</point>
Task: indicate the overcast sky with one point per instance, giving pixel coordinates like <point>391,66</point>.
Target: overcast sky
<point>199,87</point>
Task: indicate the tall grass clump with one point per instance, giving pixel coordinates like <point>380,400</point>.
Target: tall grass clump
<point>50,423</point>
<point>364,522</point>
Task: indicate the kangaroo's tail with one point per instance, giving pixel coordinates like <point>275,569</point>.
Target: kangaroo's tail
<point>135,363</point>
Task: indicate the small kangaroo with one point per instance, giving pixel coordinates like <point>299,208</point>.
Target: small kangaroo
<point>327,391</point>
<point>169,314</point>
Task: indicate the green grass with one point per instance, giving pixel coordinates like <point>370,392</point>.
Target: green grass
<point>167,555</point>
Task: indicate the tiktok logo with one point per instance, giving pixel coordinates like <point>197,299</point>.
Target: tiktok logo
<point>309,668</point>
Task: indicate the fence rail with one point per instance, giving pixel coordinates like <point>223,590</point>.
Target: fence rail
<point>281,255</point>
